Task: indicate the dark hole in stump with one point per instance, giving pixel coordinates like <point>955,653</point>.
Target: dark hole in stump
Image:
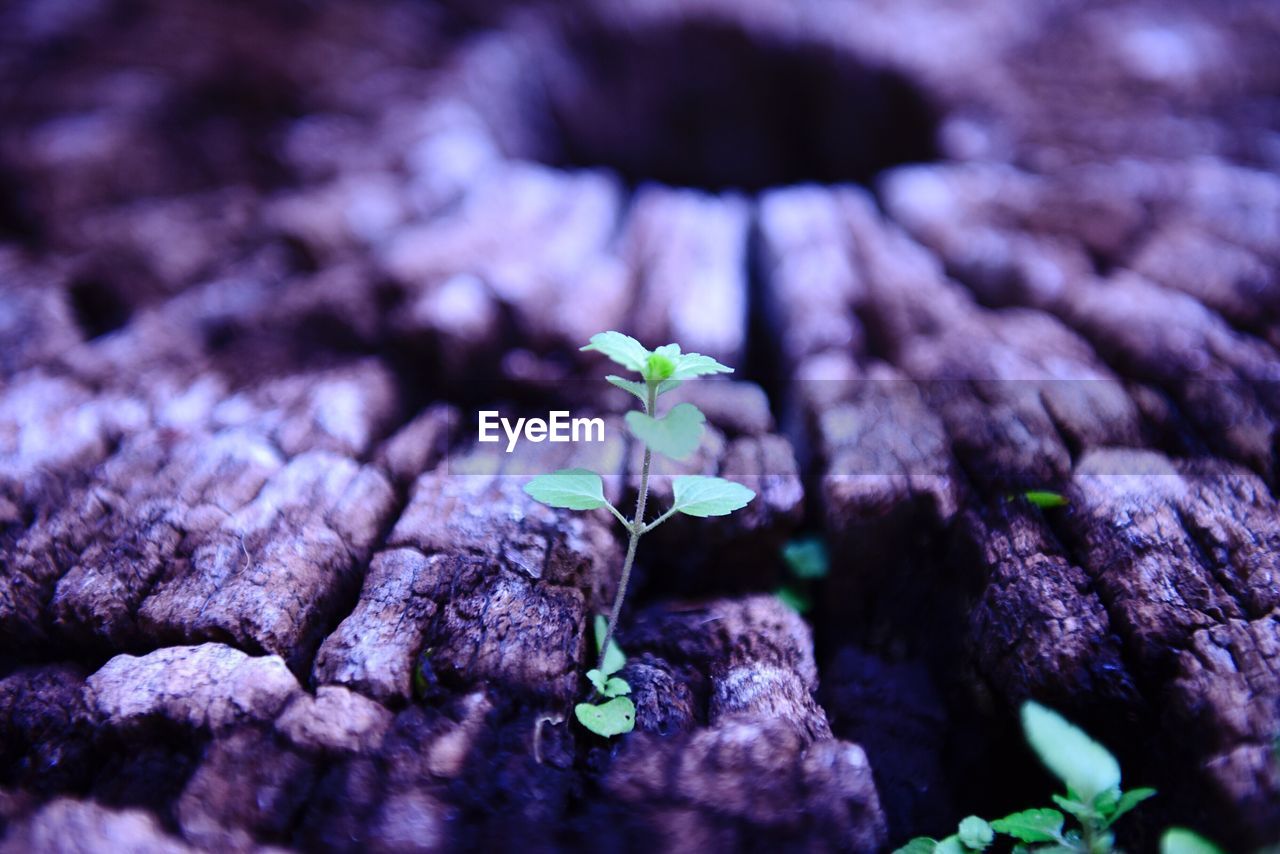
<point>98,306</point>
<point>708,105</point>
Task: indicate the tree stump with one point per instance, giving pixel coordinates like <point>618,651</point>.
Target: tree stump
<point>260,265</point>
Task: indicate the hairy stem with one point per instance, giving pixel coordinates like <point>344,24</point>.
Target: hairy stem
<point>637,531</point>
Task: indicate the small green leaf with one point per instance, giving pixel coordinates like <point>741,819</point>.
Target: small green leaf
<point>919,845</point>
<point>614,659</point>
<point>975,834</point>
<point>639,389</point>
<point>608,686</point>
<point>1081,812</point>
<point>597,679</point>
<point>668,385</point>
<point>1179,840</point>
<point>677,434</point>
<point>692,365</point>
<point>574,489</point>
<point>1085,766</point>
<point>623,349</point>
<point>1038,825</point>
<point>807,558</point>
<point>698,495</point>
<point>1044,499</point>
<point>950,845</point>
<point>794,599</point>
<point>616,717</point>
<point>1127,801</point>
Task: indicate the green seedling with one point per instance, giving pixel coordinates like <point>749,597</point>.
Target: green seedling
<point>677,434</point>
<point>806,559</point>
<point>1093,799</point>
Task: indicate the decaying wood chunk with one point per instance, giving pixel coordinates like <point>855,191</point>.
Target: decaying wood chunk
<point>68,825</point>
<point>211,688</point>
<point>765,765</point>
<point>474,571</point>
<point>273,575</point>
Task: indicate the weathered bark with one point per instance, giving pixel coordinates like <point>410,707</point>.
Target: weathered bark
<point>67,825</point>
<point>258,270</point>
<point>764,766</point>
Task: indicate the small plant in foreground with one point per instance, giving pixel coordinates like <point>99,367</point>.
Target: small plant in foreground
<point>676,434</point>
<point>1093,799</point>
<point>1178,840</point>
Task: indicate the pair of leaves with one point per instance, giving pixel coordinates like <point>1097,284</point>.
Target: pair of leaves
<point>695,495</point>
<point>1106,808</point>
<point>641,390</point>
<point>616,716</point>
<point>656,366</point>
<point>608,686</point>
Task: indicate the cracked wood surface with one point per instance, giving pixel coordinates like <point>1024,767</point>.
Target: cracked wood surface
<point>259,589</point>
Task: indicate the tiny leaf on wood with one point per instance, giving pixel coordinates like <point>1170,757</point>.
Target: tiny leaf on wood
<point>608,686</point>
<point>616,717</point>
<point>677,434</point>
<point>1044,499</point>
<point>1086,767</point>
<point>807,558</point>
<point>573,489</point>
<point>975,833</point>
<point>698,495</point>
<point>614,659</point>
<point>623,349</point>
<point>1038,825</point>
